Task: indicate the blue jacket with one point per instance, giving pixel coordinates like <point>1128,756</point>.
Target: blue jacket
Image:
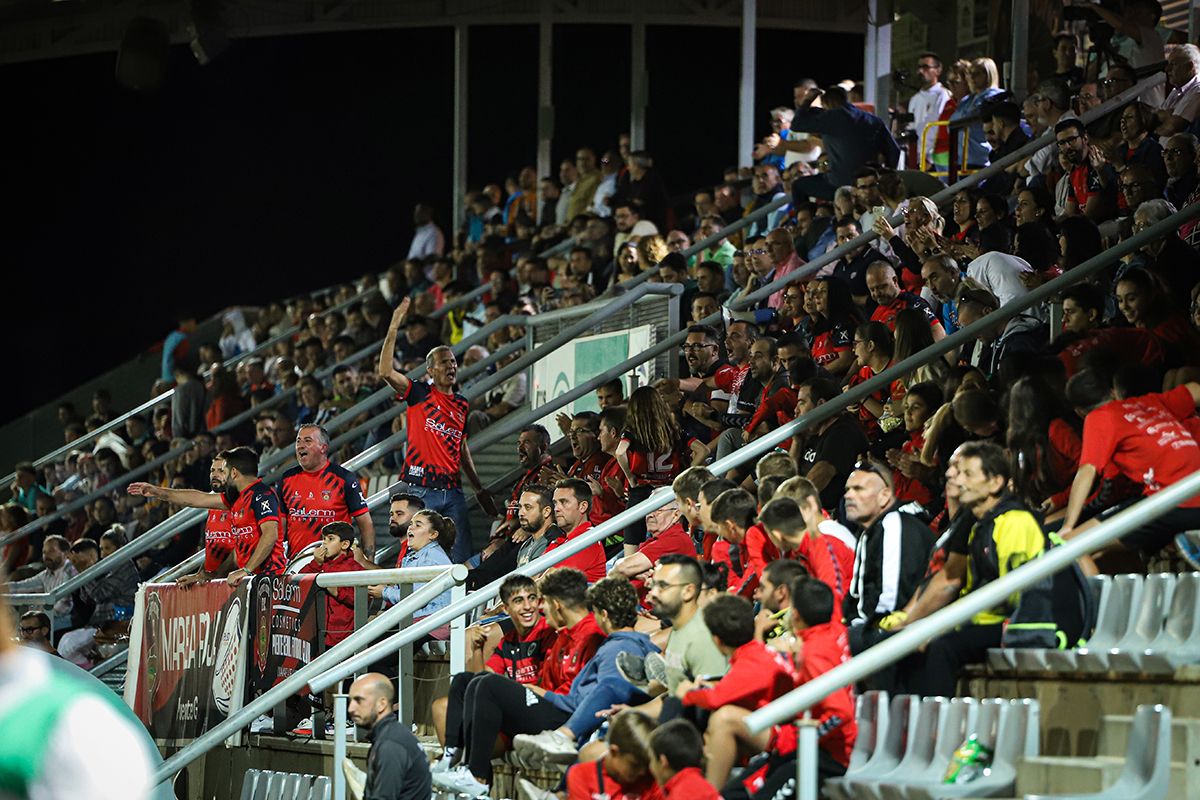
<point>431,555</point>
<point>602,666</point>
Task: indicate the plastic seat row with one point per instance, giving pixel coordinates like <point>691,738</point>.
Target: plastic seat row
<point>905,746</point>
<point>266,785</point>
<point>1145,624</point>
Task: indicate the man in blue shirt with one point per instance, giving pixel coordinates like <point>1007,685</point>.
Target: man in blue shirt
<point>851,138</point>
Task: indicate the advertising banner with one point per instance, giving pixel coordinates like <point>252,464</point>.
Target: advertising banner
<point>286,619</point>
<point>186,657</point>
<point>580,361</point>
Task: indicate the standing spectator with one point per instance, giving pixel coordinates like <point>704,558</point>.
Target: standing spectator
<point>927,103</point>
<point>643,186</point>
<point>1066,67</point>
<point>316,493</point>
<point>224,401</point>
<point>572,500</point>
<point>396,765</point>
<point>189,400</point>
<point>983,81</point>
<point>177,344</point>
<point>437,448</point>
<point>610,166</point>
<point>586,183</point>
<point>428,240</point>
<point>851,138</point>
<point>1138,41</point>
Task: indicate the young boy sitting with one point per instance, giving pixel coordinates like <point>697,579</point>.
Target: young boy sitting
<point>676,753</point>
<point>820,645</point>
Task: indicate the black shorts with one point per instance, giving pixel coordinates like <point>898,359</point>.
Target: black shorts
<point>1153,535</point>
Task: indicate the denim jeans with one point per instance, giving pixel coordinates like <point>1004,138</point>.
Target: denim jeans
<point>450,503</point>
<point>607,693</point>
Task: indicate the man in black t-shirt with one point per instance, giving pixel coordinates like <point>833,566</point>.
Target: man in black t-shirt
<point>828,453</point>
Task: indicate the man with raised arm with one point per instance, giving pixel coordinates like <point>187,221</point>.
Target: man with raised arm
<point>253,511</point>
<point>316,492</point>
<point>437,443</point>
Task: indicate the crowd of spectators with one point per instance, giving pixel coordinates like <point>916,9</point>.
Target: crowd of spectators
<point>758,578</point>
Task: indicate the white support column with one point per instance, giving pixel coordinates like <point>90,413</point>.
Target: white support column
<point>458,637</point>
<point>458,176</point>
<point>545,91</point>
<point>639,88</point>
<point>1019,79</point>
<point>877,63</point>
<point>746,91</point>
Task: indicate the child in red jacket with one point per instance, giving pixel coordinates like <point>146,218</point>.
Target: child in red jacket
<point>676,753</point>
<point>333,555</point>
<point>624,771</point>
<point>820,645</point>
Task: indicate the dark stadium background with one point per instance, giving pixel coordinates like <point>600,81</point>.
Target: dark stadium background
<point>288,164</point>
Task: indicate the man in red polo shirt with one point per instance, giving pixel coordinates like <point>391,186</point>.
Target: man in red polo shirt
<point>218,538</point>
<point>254,513</point>
<point>316,492</point>
<point>665,534</point>
<point>572,499</point>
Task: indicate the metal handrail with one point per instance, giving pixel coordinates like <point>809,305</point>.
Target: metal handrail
<point>237,720</point>
<point>943,197</point>
<point>912,637</point>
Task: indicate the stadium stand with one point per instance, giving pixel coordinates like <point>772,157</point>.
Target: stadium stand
<point>872,457</point>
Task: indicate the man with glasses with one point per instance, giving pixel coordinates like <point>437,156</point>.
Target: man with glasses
<point>1092,181</point>
<point>674,597</point>
<point>1179,157</point>
<point>773,258</point>
<point>665,535</point>
<point>584,434</point>
<point>35,632</point>
<point>1043,110</point>
<point>926,105</point>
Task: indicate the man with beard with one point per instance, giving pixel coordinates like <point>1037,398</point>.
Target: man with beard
<point>218,538</point>
<point>254,538</point>
<point>852,266</point>
<point>317,492</point>
<point>533,453</point>
<point>400,513</point>
<point>535,516</point>
<point>437,450</point>
<point>1093,183</point>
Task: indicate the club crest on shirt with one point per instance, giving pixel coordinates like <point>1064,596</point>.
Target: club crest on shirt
<point>327,495</point>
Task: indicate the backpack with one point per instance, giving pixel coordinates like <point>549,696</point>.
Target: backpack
<point>1056,613</point>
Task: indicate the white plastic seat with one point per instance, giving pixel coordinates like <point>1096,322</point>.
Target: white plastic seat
<point>1015,735</point>
<point>918,750</point>
<point>871,714</point>
<point>889,747</point>
<point>1147,625</point>
<point>1147,771</point>
<point>956,720</point>
<point>1037,659</point>
<point>1125,596</point>
<point>980,720</point>
<point>1179,642</point>
<point>251,783</point>
<point>322,789</point>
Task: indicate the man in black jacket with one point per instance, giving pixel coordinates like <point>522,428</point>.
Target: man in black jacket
<point>396,766</point>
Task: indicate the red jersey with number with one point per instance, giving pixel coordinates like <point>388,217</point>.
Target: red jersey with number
<point>658,469</point>
<point>312,500</point>
<point>1149,439</point>
<point>436,424</point>
<point>257,504</point>
<point>521,657</point>
<point>218,539</point>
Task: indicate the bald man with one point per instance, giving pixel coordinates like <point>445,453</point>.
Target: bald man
<point>884,288</point>
<point>396,766</point>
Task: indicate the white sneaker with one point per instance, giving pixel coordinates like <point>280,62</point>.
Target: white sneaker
<point>350,729</point>
<point>527,790</point>
<point>264,724</point>
<point>460,781</point>
<point>305,728</point>
<point>445,763</point>
<point>547,747</point>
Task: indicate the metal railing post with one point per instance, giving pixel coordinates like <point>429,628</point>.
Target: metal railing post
<point>458,630</point>
<point>404,678</point>
<point>339,745</point>
<point>806,760</point>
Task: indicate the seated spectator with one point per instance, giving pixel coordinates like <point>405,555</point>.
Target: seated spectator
<point>852,266</point>
<point>34,631</point>
<point>104,603</point>
<point>1093,182</point>
<point>774,599</point>
<point>822,546</point>
<point>428,539</point>
<point>1128,433</point>
<point>623,773</point>
<point>664,536</point>
<point>1181,107</point>
<point>572,500</point>
<point>677,754</point>
<point>501,705</point>
<point>828,451</point>
<point>56,570</point>
<point>889,562</point>
<point>733,515</point>
<point>820,645</point>
<point>526,641</point>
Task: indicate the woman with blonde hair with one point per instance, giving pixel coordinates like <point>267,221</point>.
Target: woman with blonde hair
<point>983,82</point>
<point>651,250</point>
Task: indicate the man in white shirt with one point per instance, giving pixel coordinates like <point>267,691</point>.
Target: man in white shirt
<point>1182,105</point>
<point>927,104</point>
<point>1000,274</point>
<point>427,239</point>
<point>630,225</point>
<point>56,571</point>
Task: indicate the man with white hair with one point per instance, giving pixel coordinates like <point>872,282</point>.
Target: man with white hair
<point>1169,257</point>
<point>1182,105</point>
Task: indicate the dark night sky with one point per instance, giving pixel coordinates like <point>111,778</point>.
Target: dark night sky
<point>289,164</point>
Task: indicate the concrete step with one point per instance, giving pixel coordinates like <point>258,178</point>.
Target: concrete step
<point>1185,738</point>
<point>1052,775</point>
